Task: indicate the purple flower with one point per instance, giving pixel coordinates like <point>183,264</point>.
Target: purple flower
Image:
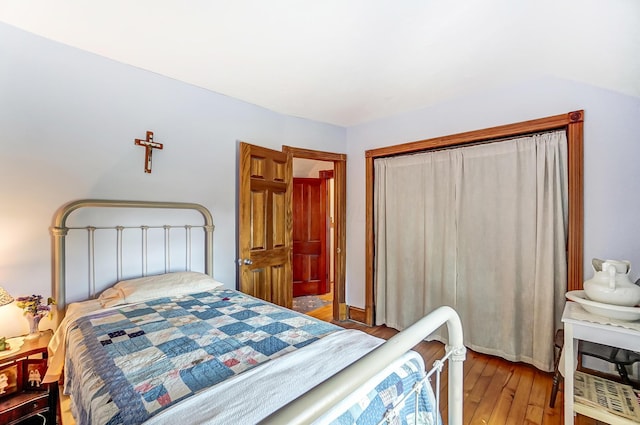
<point>32,304</point>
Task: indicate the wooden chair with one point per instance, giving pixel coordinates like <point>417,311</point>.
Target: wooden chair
<point>619,357</point>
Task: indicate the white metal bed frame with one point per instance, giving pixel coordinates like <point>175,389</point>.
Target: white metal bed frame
<point>59,231</point>
<point>311,405</point>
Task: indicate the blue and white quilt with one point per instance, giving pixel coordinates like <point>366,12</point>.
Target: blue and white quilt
<point>142,358</point>
<point>384,400</point>
<point>227,350</point>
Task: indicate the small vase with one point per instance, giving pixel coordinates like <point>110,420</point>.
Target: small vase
<point>34,322</point>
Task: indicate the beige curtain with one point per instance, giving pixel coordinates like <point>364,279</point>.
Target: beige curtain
<point>482,229</point>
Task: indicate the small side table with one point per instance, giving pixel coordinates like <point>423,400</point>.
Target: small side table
<point>25,398</point>
<point>582,325</point>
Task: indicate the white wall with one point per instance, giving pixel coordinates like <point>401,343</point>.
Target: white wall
<point>611,160</point>
<point>309,168</point>
<point>68,120</point>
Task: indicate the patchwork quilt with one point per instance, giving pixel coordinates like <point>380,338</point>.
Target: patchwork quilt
<point>384,401</point>
<point>126,365</point>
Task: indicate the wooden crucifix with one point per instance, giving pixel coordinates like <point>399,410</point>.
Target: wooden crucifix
<point>149,146</point>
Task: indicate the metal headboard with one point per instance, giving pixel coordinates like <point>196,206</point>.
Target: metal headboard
<point>59,231</point>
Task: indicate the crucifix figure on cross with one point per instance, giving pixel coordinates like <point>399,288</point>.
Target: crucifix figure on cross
<point>149,146</point>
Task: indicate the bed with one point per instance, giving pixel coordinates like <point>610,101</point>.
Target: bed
<point>158,341</point>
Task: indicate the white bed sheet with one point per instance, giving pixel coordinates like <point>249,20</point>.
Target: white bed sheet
<point>262,390</point>
<point>57,345</point>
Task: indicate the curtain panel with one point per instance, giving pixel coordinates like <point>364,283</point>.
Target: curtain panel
<point>483,230</point>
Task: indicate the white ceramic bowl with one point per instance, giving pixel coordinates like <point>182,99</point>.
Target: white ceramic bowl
<point>629,314</point>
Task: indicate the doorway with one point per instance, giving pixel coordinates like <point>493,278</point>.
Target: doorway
<point>313,234</point>
<point>332,168</point>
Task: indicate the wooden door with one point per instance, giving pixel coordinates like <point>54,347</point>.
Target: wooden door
<point>265,224</point>
<point>309,237</point>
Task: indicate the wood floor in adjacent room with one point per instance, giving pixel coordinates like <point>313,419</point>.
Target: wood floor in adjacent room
<point>496,391</point>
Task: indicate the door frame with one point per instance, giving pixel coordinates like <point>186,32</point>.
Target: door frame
<point>340,201</point>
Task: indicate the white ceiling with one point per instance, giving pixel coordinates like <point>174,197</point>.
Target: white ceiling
<point>351,61</point>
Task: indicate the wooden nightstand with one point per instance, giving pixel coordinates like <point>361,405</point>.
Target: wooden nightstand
<point>25,400</point>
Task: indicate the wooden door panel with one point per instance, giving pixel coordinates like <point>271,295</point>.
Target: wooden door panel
<point>298,268</point>
<point>309,237</point>
<point>280,226</point>
<point>270,257</point>
<point>258,217</point>
<point>307,248</point>
<point>308,267</point>
<point>298,211</point>
<point>307,274</point>
<point>268,283</point>
<point>265,224</point>
<point>267,167</point>
<point>314,274</point>
<point>280,277</point>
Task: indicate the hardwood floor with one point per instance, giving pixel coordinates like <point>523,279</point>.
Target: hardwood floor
<point>496,391</point>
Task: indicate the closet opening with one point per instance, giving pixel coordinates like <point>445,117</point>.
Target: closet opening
<point>571,123</point>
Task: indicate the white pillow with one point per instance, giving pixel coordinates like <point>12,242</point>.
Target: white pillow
<point>157,286</point>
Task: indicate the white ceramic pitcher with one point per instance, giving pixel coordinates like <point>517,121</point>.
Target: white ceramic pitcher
<point>611,284</point>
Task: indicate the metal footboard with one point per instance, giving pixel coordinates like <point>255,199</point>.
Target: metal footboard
<point>313,404</point>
